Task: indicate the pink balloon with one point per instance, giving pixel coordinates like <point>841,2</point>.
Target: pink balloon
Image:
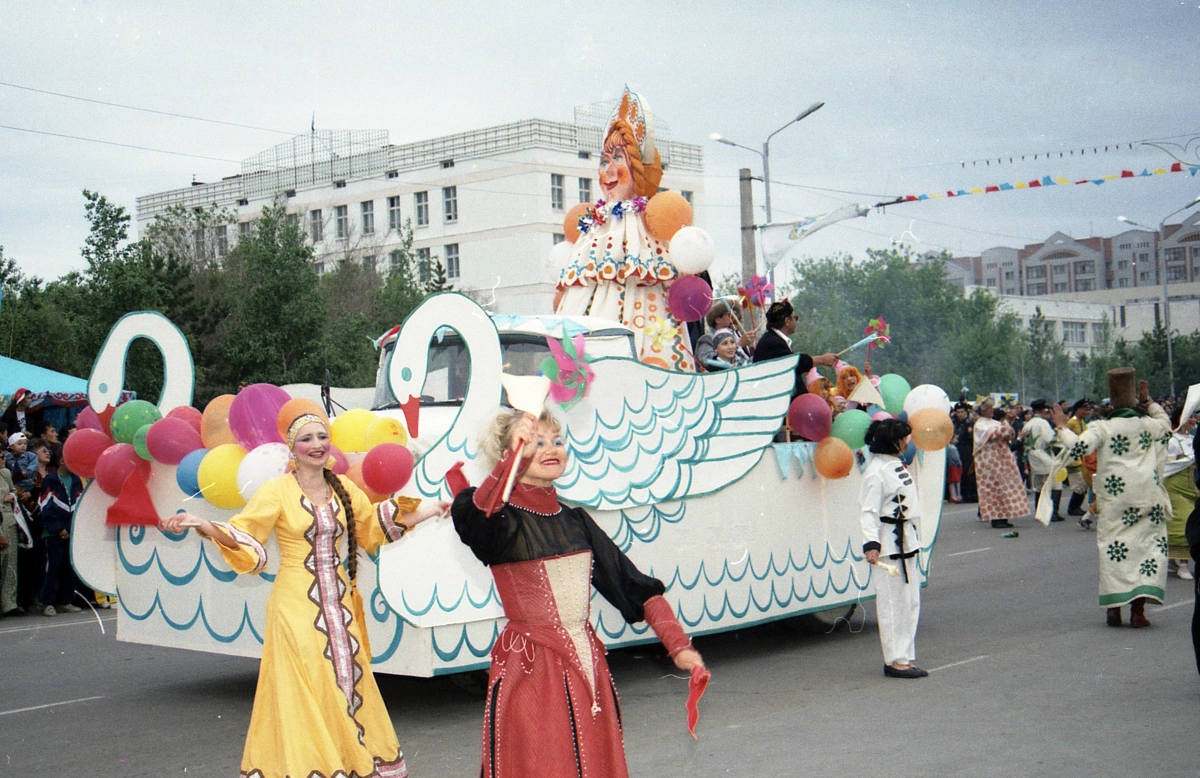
<point>387,468</point>
<point>115,465</point>
<point>342,465</point>
<point>689,298</point>
<point>881,415</point>
<point>191,415</point>
<point>253,414</point>
<point>810,417</point>
<point>88,420</point>
<point>171,439</point>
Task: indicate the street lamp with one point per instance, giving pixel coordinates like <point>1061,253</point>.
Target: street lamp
<point>766,157</point>
<point>1161,266</point>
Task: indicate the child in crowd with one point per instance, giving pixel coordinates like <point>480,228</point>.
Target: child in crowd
<point>21,462</point>
<point>726,352</point>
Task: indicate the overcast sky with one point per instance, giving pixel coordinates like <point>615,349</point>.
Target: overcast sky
<point>911,91</point>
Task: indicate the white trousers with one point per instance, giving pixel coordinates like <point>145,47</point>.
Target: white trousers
<point>898,605</point>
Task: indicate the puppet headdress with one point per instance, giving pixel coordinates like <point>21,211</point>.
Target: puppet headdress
<point>634,121</point>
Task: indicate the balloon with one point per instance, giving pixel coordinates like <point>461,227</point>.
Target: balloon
<point>114,466</point>
<point>932,429</point>
<point>833,458</point>
<point>349,431</point>
<point>139,442</point>
<point>810,417</point>
<point>880,415</point>
<point>894,389</point>
<point>927,396</point>
<point>341,463</point>
<point>692,250</point>
<point>214,424</point>
<point>131,417</point>
<point>294,409</point>
<point>83,448</point>
<point>188,414</point>
<point>557,259</point>
<point>253,415</point>
<point>850,427</point>
<point>187,474</point>
<point>355,474</point>
<point>385,429</point>
<point>88,420</point>
<point>666,213</point>
<point>571,222</point>
<point>387,468</point>
<point>172,438</point>
<point>218,475</point>
<point>689,298</point>
<point>270,460</point>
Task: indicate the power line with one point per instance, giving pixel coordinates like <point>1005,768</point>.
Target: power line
<point>145,110</point>
<point>114,143</point>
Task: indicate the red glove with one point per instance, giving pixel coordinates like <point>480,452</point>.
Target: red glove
<point>455,479</point>
<point>489,497</point>
<point>661,618</point>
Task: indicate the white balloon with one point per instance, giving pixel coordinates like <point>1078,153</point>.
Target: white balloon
<point>270,460</point>
<point>692,250</point>
<point>558,258</point>
<point>926,396</point>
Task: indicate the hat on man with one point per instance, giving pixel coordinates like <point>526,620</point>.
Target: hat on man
<point>1039,405</point>
<point>1122,387</point>
<point>778,313</point>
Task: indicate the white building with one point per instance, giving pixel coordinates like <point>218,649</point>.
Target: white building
<point>1079,326</point>
<point>488,203</point>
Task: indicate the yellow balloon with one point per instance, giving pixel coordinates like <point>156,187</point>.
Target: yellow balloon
<point>218,475</point>
<point>349,431</point>
<point>932,429</point>
<point>386,429</point>
<point>1060,476</point>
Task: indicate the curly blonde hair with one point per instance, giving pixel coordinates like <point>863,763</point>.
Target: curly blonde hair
<point>646,176</point>
<point>497,436</point>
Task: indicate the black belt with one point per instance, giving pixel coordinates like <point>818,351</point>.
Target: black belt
<point>897,523</point>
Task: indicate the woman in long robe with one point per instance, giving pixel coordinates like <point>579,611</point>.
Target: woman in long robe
<point>1179,480</point>
<point>317,711</point>
<point>552,709</point>
<point>1001,490</point>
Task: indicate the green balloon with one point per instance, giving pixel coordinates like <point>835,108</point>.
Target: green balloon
<point>893,389</point>
<point>131,417</point>
<point>139,443</point>
<point>850,427</point>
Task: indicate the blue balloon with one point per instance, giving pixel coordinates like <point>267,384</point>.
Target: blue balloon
<point>187,473</point>
<point>903,416</point>
<point>909,453</point>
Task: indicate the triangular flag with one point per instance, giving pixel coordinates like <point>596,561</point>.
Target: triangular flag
<point>133,506</point>
<point>866,394</point>
<point>783,453</point>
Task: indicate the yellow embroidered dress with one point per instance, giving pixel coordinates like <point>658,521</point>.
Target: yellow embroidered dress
<point>317,710</point>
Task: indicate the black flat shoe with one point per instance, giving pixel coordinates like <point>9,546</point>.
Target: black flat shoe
<point>14,612</point>
<point>1001,523</point>
<point>912,671</point>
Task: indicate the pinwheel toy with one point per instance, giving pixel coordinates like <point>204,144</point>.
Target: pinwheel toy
<point>568,370</point>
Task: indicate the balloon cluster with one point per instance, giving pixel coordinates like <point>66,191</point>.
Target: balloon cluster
<point>926,409</point>
<point>225,453</point>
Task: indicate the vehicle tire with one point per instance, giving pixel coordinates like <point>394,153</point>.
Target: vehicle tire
<point>473,682</point>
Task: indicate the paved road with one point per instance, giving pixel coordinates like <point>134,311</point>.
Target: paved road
<point>1026,681</point>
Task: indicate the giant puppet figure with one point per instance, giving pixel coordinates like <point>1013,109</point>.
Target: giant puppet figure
<point>617,269</point>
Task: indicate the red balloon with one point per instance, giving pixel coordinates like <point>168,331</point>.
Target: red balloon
<point>191,415</point>
<point>88,420</point>
<point>115,465</point>
<point>689,298</point>
<point>172,438</point>
<point>387,468</point>
<point>810,417</point>
<point>83,448</point>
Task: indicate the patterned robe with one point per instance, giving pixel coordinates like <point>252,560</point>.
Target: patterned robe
<point>1132,505</point>
<point>1001,490</point>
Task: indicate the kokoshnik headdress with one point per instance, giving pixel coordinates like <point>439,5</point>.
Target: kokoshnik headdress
<point>633,118</point>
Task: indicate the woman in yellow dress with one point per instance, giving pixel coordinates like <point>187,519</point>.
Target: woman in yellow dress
<point>317,711</point>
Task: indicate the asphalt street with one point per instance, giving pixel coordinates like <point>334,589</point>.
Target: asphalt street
<point>1026,680</point>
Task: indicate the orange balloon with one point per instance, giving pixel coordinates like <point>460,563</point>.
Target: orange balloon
<point>666,213</point>
<point>214,423</point>
<point>932,429</point>
<point>294,409</point>
<point>833,458</point>
<point>355,475</point>
<point>571,221</point>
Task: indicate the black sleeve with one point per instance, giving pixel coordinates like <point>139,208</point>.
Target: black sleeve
<point>489,538</point>
<point>1192,531</point>
<point>804,366</point>
<point>615,577</point>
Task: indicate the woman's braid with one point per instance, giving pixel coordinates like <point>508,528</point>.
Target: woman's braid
<point>335,483</point>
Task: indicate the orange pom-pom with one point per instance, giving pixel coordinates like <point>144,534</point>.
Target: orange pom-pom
<point>294,409</point>
<point>571,221</point>
<point>833,458</point>
<point>666,213</point>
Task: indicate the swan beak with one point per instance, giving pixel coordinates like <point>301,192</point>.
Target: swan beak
<point>412,415</point>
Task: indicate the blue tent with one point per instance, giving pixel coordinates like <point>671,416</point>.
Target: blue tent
<point>58,395</point>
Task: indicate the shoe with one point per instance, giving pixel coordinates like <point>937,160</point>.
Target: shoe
<point>1112,617</point>
<point>68,608</point>
<point>104,605</point>
<point>14,612</point>
<point>49,611</point>
<point>1086,523</point>
<point>1056,517</point>
<point>1001,523</point>
<point>1137,613</point>
<point>1184,572</point>
<point>912,671</point>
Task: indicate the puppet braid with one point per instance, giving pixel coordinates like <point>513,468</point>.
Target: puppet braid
<point>335,483</point>
<point>646,176</point>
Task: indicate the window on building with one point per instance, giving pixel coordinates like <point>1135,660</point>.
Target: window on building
<point>1009,275</point>
<point>293,219</point>
<point>1144,277</point>
<point>1074,333</point>
<point>585,190</point>
<point>452,266</point>
<point>341,221</point>
<point>1174,272</point>
<point>1062,286</point>
<point>559,238</point>
<point>1085,284</point>
<point>394,213</point>
<point>687,195</point>
<point>221,238</point>
<point>393,174</point>
<point>316,227</point>
<point>1036,289</point>
<point>1175,254</point>
<point>368,216</point>
<point>1122,283</point>
<point>368,263</point>
<point>421,205</point>
<point>1085,267</point>
<point>1122,264</point>
<point>1036,271</point>
<point>1060,270</point>
<point>447,164</point>
<point>1125,246</point>
<point>558,195</point>
<point>396,257</point>
<point>450,203</point>
<point>424,265</point>
<point>245,228</point>
<point>1097,332</point>
<point>991,282</point>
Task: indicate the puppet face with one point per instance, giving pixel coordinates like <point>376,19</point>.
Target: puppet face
<point>549,455</point>
<point>851,381</point>
<point>727,349</point>
<point>616,175</point>
<point>312,445</point>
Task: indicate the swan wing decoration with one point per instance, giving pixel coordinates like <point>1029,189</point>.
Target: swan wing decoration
<point>646,435</point>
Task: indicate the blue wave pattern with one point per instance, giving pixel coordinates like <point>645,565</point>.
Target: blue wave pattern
<point>646,527</point>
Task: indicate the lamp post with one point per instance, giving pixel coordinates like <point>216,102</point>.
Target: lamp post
<point>766,157</point>
<point>1160,265</point>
